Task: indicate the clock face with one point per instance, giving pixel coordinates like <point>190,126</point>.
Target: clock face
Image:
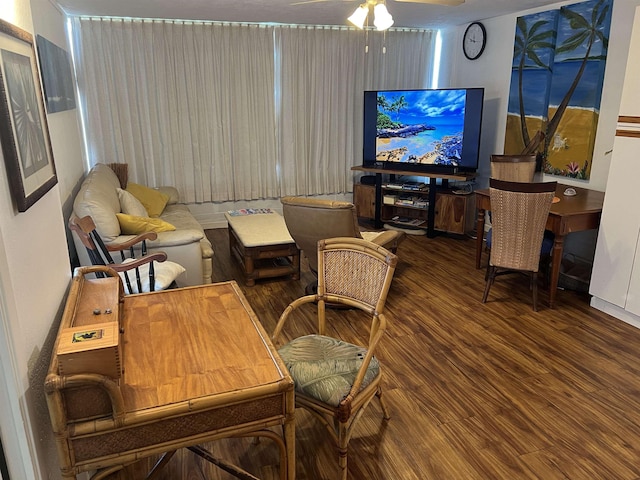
<point>475,37</point>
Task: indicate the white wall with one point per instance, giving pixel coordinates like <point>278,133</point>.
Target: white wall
<point>34,275</point>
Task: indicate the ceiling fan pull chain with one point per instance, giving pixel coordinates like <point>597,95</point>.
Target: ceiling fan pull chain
<point>366,37</point>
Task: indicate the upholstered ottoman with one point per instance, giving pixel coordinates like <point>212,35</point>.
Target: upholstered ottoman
<point>260,241</point>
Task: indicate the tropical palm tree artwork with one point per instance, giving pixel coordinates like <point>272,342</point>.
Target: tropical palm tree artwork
<point>556,85</point>
<point>420,126</point>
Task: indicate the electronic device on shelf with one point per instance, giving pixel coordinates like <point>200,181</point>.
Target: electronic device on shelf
<point>427,131</point>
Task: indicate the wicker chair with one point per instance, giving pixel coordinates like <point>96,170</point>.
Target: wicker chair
<point>147,273</point>
<point>335,380</point>
<point>519,215</point>
<point>513,168</point>
<point>519,168</point>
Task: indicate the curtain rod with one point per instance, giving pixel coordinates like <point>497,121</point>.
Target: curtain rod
<point>258,24</point>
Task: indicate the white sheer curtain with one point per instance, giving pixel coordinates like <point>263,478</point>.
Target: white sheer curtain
<point>324,72</point>
<point>236,112</point>
<point>183,103</point>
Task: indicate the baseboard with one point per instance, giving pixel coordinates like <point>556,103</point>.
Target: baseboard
<point>615,311</point>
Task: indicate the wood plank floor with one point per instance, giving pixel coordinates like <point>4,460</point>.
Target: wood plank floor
<point>477,391</point>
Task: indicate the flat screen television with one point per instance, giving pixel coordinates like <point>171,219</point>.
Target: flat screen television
<point>423,131</point>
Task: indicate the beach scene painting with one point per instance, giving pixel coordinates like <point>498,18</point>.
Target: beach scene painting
<point>556,85</point>
<point>420,126</point>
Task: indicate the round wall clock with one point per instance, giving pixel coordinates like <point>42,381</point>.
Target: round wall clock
<point>474,40</point>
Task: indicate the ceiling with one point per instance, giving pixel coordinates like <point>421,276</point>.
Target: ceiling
<point>323,12</point>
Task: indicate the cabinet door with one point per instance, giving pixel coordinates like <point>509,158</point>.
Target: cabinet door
<point>619,226</point>
<point>451,213</point>
<point>364,198</point>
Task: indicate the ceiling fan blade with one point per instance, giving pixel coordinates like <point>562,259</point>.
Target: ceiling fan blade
<point>451,3</point>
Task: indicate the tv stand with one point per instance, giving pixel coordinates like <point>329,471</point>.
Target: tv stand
<point>430,196</point>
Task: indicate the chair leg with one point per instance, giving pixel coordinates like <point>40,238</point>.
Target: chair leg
<point>534,279</point>
<point>383,404</point>
<point>490,278</point>
<point>343,445</point>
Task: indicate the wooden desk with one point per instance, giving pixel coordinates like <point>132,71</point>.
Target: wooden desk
<point>570,214</point>
<point>198,366</point>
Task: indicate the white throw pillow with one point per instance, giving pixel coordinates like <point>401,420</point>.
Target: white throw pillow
<point>166,272</point>
<point>130,205</point>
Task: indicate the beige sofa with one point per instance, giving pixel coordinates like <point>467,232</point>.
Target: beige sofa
<point>186,245</point>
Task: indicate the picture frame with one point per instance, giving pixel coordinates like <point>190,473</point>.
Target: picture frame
<point>24,133</point>
<point>57,80</point>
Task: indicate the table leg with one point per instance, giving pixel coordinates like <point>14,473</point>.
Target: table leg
<point>479,235</point>
<point>248,270</point>
<point>295,262</point>
<point>558,247</point>
<point>289,431</point>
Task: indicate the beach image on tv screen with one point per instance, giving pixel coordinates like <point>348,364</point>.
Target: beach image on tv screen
<point>420,126</point>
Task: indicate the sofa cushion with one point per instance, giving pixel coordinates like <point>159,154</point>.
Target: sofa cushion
<point>134,225</point>
<point>130,205</point>
<point>153,200</point>
<point>98,198</point>
<point>180,216</point>
<point>172,192</point>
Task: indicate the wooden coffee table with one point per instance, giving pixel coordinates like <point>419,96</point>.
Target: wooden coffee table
<point>262,245</point>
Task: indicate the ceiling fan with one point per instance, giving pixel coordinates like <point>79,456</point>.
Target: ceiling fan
<point>382,18</point>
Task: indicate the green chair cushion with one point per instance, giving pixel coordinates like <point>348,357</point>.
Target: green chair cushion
<point>325,368</point>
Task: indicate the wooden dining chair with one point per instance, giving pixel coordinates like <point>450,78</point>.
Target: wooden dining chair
<point>140,270</point>
<point>519,168</point>
<point>520,212</point>
<point>335,379</point>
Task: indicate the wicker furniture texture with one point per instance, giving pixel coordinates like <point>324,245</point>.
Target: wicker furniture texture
<point>196,366</point>
<point>519,215</point>
<point>336,380</point>
<point>513,168</point>
<point>519,168</point>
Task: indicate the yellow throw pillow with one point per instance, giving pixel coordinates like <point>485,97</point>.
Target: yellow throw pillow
<point>153,200</point>
<point>132,225</point>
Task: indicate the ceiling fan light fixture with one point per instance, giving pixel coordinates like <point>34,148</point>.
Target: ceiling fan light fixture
<point>358,17</point>
<point>382,18</point>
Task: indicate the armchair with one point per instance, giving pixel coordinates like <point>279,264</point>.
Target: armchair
<point>310,220</point>
<point>334,379</point>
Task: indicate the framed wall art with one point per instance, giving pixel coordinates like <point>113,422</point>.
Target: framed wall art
<point>57,79</point>
<point>24,133</point>
<point>556,85</point>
